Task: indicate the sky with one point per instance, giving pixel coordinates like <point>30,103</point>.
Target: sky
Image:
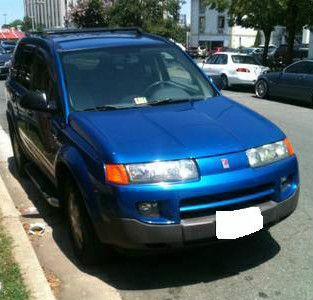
<point>15,10</point>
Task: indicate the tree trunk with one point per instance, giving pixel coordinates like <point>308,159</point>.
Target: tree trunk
<point>292,15</point>
<point>267,35</point>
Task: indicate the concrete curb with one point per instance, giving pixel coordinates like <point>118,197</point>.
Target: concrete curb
<point>23,251</point>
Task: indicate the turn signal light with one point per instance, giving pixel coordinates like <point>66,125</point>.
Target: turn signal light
<point>116,174</point>
<point>291,151</point>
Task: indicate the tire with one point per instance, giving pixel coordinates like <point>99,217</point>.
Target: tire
<point>86,245</point>
<point>225,81</point>
<point>19,156</point>
<point>261,89</point>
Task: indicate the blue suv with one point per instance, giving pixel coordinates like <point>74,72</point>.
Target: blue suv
<point>123,130</point>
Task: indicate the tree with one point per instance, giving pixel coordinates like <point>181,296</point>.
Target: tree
<point>89,13</point>
<point>258,14</point>
<point>155,16</point>
<point>258,39</point>
<point>27,24</point>
<point>298,13</point>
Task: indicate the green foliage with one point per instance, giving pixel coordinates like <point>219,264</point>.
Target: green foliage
<point>27,24</point>
<point>10,277</point>
<point>89,13</point>
<point>298,13</point>
<point>155,16</point>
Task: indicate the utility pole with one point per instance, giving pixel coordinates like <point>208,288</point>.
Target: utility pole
<point>5,19</point>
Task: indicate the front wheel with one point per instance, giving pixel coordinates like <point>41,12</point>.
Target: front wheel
<point>224,82</point>
<point>261,89</point>
<point>85,242</point>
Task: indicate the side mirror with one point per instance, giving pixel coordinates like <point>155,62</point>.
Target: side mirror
<point>217,81</point>
<point>37,102</point>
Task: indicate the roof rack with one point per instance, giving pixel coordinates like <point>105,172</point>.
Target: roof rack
<point>48,32</point>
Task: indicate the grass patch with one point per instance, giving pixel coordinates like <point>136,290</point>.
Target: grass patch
<point>11,283</point>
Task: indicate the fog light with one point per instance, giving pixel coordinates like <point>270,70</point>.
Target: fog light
<point>285,183</point>
<point>149,209</point>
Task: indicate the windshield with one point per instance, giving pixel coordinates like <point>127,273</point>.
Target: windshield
<point>130,76</point>
<point>245,59</point>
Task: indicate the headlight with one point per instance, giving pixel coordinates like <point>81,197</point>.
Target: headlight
<point>268,154</point>
<point>155,172</point>
<point>8,64</point>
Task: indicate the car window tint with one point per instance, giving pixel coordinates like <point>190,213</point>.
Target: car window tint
<point>22,65</point>
<point>298,68</point>
<point>244,59</point>
<point>41,80</point>
<point>221,59</point>
<point>211,60</point>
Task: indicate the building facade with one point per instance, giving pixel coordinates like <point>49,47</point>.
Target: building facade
<point>210,28</point>
<point>47,13</point>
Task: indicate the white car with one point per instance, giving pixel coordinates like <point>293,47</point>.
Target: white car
<point>234,68</point>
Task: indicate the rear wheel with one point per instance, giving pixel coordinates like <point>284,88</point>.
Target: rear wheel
<point>85,242</point>
<point>261,89</point>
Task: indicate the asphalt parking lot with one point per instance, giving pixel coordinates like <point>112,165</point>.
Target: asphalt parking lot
<point>270,265</point>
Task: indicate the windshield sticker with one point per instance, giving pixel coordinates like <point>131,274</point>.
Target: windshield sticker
<point>140,100</point>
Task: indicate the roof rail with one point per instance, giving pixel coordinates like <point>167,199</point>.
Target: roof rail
<point>48,32</point>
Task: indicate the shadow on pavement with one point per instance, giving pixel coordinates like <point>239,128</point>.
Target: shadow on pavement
<point>158,271</point>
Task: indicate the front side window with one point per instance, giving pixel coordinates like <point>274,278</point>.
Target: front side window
<point>23,62</point>
<point>131,76</point>
<point>41,80</point>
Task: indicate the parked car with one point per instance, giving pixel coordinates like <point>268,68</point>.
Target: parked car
<point>235,68</point>
<point>5,61</point>
<point>8,46</point>
<point>255,52</point>
<point>124,132</point>
<point>280,53</point>
<point>294,82</point>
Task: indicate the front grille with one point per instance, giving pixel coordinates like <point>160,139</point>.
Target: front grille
<point>208,205</point>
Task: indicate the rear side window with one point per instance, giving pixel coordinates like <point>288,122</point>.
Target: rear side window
<point>23,62</point>
<point>300,68</point>
<point>222,59</point>
<point>244,59</point>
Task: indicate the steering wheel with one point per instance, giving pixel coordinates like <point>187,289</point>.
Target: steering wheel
<point>156,84</point>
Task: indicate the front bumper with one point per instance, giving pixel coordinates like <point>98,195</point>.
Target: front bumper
<point>132,234</point>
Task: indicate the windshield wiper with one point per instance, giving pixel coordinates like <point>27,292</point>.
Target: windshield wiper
<point>102,108</point>
<point>167,101</point>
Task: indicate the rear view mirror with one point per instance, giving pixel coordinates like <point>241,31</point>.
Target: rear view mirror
<point>217,81</point>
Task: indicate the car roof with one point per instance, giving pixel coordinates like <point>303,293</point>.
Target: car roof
<point>77,39</point>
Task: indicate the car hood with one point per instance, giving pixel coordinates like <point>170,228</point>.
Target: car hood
<point>174,131</point>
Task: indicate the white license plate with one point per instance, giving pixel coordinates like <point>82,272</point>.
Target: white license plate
<point>232,225</point>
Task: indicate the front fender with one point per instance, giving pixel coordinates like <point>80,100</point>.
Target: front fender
<point>79,171</point>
